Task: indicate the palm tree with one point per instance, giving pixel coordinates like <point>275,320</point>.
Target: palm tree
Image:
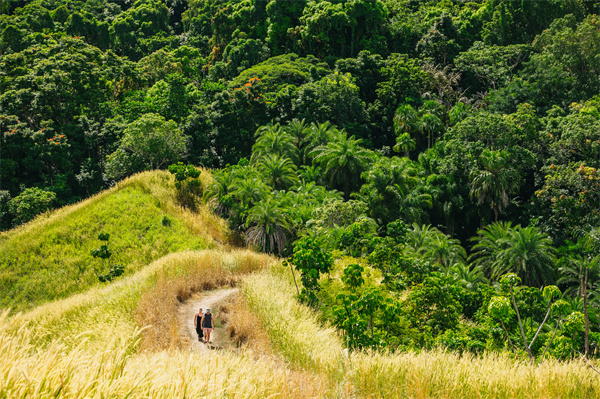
<point>431,120</point>
<point>583,273</point>
<point>343,161</point>
<point>394,190</point>
<point>405,143</point>
<point>279,172</point>
<point>319,135</point>
<point>406,120</point>
<point>250,191</point>
<point>466,276</point>
<point>419,237</point>
<point>406,123</point>
<point>268,226</point>
<point>494,181</point>
<point>445,251</point>
<point>274,140</point>
<point>528,253</point>
<point>218,193</point>
<point>299,130</point>
<point>489,242</point>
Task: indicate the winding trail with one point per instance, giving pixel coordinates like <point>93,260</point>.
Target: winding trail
<point>187,311</point>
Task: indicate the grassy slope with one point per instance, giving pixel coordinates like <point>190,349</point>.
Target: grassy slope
<point>88,345</point>
<point>306,345</point>
<point>49,258</point>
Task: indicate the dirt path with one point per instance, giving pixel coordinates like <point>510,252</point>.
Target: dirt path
<point>187,331</point>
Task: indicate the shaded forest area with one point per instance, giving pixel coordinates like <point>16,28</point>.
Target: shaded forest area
<point>447,148</point>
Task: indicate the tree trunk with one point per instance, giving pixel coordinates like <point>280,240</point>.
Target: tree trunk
<point>293,275</point>
<point>521,325</point>
<point>585,312</point>
<point>541,325</point>
<point>551,339</point>
<point>508,336</point>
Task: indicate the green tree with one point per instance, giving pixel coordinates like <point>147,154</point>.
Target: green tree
<point>312,261</point>
<point>494,181</point>
<point>278,171</point>
<point>444,251</point>
<point>273,140</point>
<point>584,273</point>
<point>319,134</point>
<point>268,224</point>
<point>248,191</point>
<point>489,242</point>
<point>148,143</point>
<point>336,98</point>
<point>145,20</point>
<point>434,305</point>
<point>528,253</point>
<point>508,282</point>
<point>187,183</point>
<point>343,162</point>
<point>30,203</point>
<point>394,190</point>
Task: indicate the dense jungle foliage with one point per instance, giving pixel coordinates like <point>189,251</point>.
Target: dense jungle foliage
<point>446,153</point>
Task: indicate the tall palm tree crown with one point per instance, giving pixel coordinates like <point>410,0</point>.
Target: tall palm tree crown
<point>343,161</point>
<point>280,172</point>
<point>494,181</point>
<point>268,226</point>
<point>273,139</point>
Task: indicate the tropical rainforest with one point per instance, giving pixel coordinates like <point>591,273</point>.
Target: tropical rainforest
<point>428,168</point>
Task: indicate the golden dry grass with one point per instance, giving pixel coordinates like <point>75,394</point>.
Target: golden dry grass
<point>196,272</point>
<point>298,338</point>
<point>116,372</point>
<point>244,327</point>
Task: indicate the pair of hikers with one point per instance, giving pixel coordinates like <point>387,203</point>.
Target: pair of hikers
<point>205,324</point>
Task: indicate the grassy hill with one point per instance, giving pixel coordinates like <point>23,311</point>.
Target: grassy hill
<point>49,258</point>
<point>121,339</point>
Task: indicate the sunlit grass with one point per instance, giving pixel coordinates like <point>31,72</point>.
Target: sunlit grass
<point>116,372</point>
<point>89,345</point>
<point>296,335</point>
<point>49,258</point>
<point>121,339</point>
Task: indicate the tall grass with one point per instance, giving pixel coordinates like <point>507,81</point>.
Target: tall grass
<point>295,333</point>
<point>244,327</point>
<point>49,258</point>
<point>195,272</point>
<point>148,300</point>
<point>115,372</point>
<point>88,345</point>
<point>441,374</point>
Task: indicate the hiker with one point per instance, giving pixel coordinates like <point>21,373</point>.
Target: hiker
<point>208,324</point>
<point>198,324</point>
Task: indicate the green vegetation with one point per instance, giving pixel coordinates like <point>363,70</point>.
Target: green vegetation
<point>430,168</point>
<point>51,258</point>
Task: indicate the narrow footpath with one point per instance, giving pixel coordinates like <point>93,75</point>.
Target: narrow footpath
<point>187,311</point>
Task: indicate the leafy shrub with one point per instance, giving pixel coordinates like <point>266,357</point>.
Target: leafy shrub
<point>31,202</point>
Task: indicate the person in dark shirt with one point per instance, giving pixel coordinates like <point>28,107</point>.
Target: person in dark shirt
<point>197,323</point>
<point>208,325</point>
